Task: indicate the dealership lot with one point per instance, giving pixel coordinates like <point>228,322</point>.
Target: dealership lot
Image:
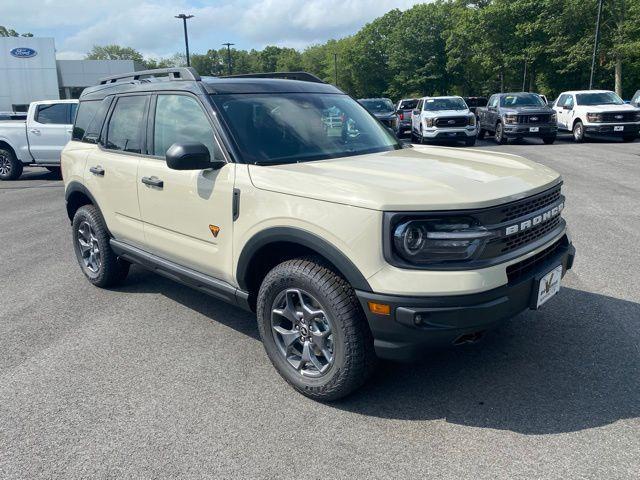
<point>156,380</point>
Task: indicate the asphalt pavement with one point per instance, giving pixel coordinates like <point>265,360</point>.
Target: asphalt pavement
<point>154,380</point>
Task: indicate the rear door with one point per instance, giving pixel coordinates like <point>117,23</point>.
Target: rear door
<point>112,169</point>
<point>49,130</point>
<point>188,217</point>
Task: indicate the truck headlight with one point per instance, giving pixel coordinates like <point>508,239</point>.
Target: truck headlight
<point>437,240</point>
<point>554,118</point>
<point>594,117</point>
<point>511,119</point>
<point>472,120</point>
<point>428,122</point>
<point>637,116</point>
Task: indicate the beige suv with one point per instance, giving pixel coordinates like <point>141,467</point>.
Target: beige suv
<point>281,194</point>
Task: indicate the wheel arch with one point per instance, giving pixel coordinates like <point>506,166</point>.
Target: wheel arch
<point>275,245</point>
<point>77,195</point>
<point>7,145</point>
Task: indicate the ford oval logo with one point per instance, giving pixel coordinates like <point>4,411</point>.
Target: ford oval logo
<point>619,117</point>
<point>23,52</point>
<point>451,122</point>
<point>534,119</point>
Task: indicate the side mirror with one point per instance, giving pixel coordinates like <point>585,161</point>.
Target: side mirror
<point>416,112</point>
<point>567,107</point>
<point>190,156</point>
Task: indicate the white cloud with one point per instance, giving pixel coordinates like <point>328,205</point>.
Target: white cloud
<point>150,26</point>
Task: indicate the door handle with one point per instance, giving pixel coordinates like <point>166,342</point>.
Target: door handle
<point>97,170</point>
<point>153,181</point>
<point>35,131</point>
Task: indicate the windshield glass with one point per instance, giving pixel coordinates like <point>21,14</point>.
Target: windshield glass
<point>377,105</point>
<point>435,104</point>
<point>299,127</point>
<point>598,98</point>
<point>522,100</point>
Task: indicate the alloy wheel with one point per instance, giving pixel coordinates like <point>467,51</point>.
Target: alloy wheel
<point>5,165</point>
<point>303,332</point>
<point>89,248</point>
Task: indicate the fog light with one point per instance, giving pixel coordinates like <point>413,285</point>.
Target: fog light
<point>379,308</point>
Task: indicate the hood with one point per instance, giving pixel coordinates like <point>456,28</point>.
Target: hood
<point>419,178</point>
<point>447,113</point>
<point>609,108</point>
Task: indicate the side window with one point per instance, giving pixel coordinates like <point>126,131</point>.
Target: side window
<point>569,101</point>
<point>493,101</point>
<point>180,118</point>
<point>56,113</point>
<point>419,106</point>
<point>561,99</point>
<point>125,129</point>
<point>86,112</point>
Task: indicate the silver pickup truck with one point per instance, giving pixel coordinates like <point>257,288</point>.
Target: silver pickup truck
<point>38,140</point>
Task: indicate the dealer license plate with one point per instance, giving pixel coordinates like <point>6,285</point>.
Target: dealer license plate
<point>549,285</point>
<point>618,128</point>
<point>534,129</point>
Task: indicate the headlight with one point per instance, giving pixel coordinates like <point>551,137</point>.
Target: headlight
<point>637,116</point>
<point>438,240</point>
<point>594,117</point>
<point>428,122</point>
<point>511,119</point>
<point>554,118</point>
<point>472,120</point>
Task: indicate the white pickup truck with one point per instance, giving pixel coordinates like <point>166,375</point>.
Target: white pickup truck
<point>38,140</point>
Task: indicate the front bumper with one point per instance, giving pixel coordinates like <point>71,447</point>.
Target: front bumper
<point>520,131</point>
<point>449,133</point>
<point>609,130</point>
<point>416,324</point>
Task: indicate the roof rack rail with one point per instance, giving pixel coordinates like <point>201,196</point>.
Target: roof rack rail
<point>177,73</point>
<point>302,76</point>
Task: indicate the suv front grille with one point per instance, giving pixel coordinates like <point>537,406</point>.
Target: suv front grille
<point>521,239</point>
<point>520,269</point>
<point>529,205</point>
<point>619,117</point>
<point>539,118</point>
<point>451,121</point>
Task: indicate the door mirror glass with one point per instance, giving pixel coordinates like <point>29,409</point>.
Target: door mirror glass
<point>190,156</point>
<point>416,112</point>
<point>567,107</point>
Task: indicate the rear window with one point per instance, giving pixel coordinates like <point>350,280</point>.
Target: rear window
<point>56,113</point>
<point>408,104</point>
<point>86,112</point>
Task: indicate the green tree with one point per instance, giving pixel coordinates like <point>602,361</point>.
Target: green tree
<point>114,52</point>
<point>9,32</point>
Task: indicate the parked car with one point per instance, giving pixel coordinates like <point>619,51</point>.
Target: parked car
<point>13,116</point>
<point>443,118</point>
<point>347,248</point>
<point>474,102</point>
<point>382,108</point>
<point>635,100</point>
<point>588,113</point>
<point>404,108</point>
<point>38,140</point>
<point>517,115</point>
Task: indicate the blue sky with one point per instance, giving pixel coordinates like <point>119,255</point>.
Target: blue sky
<point>150,27</point>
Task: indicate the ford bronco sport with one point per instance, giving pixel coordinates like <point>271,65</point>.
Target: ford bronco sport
<point>347,246</point>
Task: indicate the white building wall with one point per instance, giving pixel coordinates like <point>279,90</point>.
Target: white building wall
<point>23,80</point>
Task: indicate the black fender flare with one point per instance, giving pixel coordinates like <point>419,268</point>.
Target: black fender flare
<point>75,186</point>
<point>302,237</point>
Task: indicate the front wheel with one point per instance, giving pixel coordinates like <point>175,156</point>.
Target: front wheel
<point>578,132</point>
<point>313,329</point>
<point>10,166</point>
<point>91,244</point>
<point>501,139</point>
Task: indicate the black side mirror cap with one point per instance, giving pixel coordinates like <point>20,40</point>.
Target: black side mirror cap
<point>191,156</point>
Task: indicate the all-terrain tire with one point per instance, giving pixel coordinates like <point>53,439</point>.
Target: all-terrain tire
<point>352,343</point>
<point>109,270</point>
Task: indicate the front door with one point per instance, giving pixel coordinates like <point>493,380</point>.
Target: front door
<point>188,217</point>
<point>49,130</point>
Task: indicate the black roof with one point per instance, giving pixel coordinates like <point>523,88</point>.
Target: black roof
<point>187,79</point>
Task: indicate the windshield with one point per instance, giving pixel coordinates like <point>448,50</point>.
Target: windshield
<point>377,105</point>
<point>522,100</point>
<point>598,98</point>
<point>299,127</point>
<point>435,104</point>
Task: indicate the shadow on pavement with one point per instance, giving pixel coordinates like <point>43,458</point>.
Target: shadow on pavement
<point>573,365</point>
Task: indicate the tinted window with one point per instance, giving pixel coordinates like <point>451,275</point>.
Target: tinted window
<point>180,118</point>
<point>493,101</point>
<point>57,113</point>
<point>408,104</point>
<point>86,112</point>
<point>126,125</point>
<point>298,127</point>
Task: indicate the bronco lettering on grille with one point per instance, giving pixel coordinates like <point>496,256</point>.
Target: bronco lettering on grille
<point>535,221</point>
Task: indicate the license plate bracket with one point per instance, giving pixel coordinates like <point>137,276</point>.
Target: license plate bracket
<point>546,286</point>
<point>618,128</point>
<point>534,129</point>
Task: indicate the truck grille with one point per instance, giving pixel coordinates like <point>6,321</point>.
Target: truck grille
<point>520,269</point>
<point>619,117</point>
<point>530,205</point>
<point>534,118</point>
<point>521,239</point>
<point>451,121</point>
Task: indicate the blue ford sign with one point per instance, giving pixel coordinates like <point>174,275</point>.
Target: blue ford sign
<point>23,52</point>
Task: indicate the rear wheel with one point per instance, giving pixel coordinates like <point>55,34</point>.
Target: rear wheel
<point>10,166</point>
<point>549,140</point>
<point>97,260</point>
<point>500,137</point>
<point>578,132</point>
<point>314,330</point>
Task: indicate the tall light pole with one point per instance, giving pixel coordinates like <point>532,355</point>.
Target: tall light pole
<point>228,45</point>
<point>595,44</point>
<point>186,37</point>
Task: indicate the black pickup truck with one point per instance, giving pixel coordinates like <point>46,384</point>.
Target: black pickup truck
<point>517,115</point>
